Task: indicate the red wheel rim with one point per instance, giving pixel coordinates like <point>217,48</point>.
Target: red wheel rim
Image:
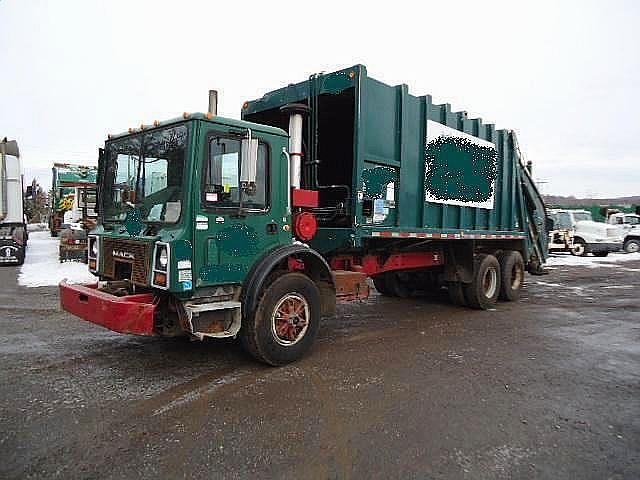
<point>290,319</point>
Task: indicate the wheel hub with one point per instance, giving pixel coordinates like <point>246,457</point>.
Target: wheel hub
<point>290,319</point>
<point>490,282</point>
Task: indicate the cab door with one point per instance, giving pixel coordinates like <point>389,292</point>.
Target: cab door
<point>236,223</point>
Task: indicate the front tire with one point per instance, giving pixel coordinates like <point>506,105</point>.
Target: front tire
<point>286,321</point>
<point>579,248</point>
<point>482,293</point>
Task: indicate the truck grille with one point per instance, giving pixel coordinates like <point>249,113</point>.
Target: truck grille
<point>132,254</point>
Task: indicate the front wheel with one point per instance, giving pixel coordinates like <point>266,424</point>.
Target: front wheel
<point>579,248</point>
<point>286,321</point>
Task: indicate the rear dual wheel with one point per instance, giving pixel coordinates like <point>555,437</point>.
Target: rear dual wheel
<point>512,275</point>
<point>483,291</point>
<point>492,279</point>
<point>393,284</point>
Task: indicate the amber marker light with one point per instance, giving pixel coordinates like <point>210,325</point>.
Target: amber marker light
<point>185,115</point>
<point>156,123</point>
<point>352,75</point>
<point>160,278</point>
<point>245,105</point>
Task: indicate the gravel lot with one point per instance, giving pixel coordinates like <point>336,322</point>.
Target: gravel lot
<point>548,387</point>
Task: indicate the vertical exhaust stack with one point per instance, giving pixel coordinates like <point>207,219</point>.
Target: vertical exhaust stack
<point>296,112</point>
<point>213,103</point>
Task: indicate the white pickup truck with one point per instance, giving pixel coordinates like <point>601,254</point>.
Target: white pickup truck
<point>576,232</point>
<point>629,225</point>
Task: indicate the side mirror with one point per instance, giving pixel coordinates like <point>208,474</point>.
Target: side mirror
<point>10,148</point>
<point>29,193</point>
<point>101,167</point>
<point>249,164</point>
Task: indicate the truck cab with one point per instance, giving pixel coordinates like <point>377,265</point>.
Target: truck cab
<point>13,228</point>
<point>190,211</point>
<point>629,225</point>
<point>576,232</point>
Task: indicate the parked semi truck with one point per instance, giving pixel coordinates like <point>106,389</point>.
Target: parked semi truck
<point>13,229</point>
<point>213,227</point>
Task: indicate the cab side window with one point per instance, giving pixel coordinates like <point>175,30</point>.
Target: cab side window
<point>564,221</point>
<point>222,174</point>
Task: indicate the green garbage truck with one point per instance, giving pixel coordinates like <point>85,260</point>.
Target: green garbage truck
<point>256,228</point>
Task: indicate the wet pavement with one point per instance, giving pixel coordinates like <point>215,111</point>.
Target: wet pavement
<point>548,387</point>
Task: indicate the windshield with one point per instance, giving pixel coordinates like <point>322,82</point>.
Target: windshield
<point>145,171</point>
<point>580,216</point>
<point>632,220</point>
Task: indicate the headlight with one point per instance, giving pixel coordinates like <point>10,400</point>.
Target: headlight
<point>163,258</point>
<point>94,248</point>
<point>160,273</point>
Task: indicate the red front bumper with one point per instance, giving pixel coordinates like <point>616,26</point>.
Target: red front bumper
<point>132,314</point>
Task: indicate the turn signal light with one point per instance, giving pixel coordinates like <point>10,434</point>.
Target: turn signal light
<point>92,264</point>
<point>160,279</point>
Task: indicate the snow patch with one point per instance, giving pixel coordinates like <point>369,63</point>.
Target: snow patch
<point>591,262</point>
<point>42,268</point>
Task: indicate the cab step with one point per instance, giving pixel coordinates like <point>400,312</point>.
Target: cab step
<point>214,319</point>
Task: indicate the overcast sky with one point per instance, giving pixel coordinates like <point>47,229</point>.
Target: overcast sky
<point>564,75</point>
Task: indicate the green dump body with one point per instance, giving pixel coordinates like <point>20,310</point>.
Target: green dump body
<point>66,179</point>
<point>413,168</point>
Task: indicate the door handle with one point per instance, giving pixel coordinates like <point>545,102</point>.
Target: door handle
<point>272,228</point>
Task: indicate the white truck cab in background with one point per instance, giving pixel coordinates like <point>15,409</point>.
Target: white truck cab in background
<point>629,225</point>
<point>576,232</point>
<point>13,229</point>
